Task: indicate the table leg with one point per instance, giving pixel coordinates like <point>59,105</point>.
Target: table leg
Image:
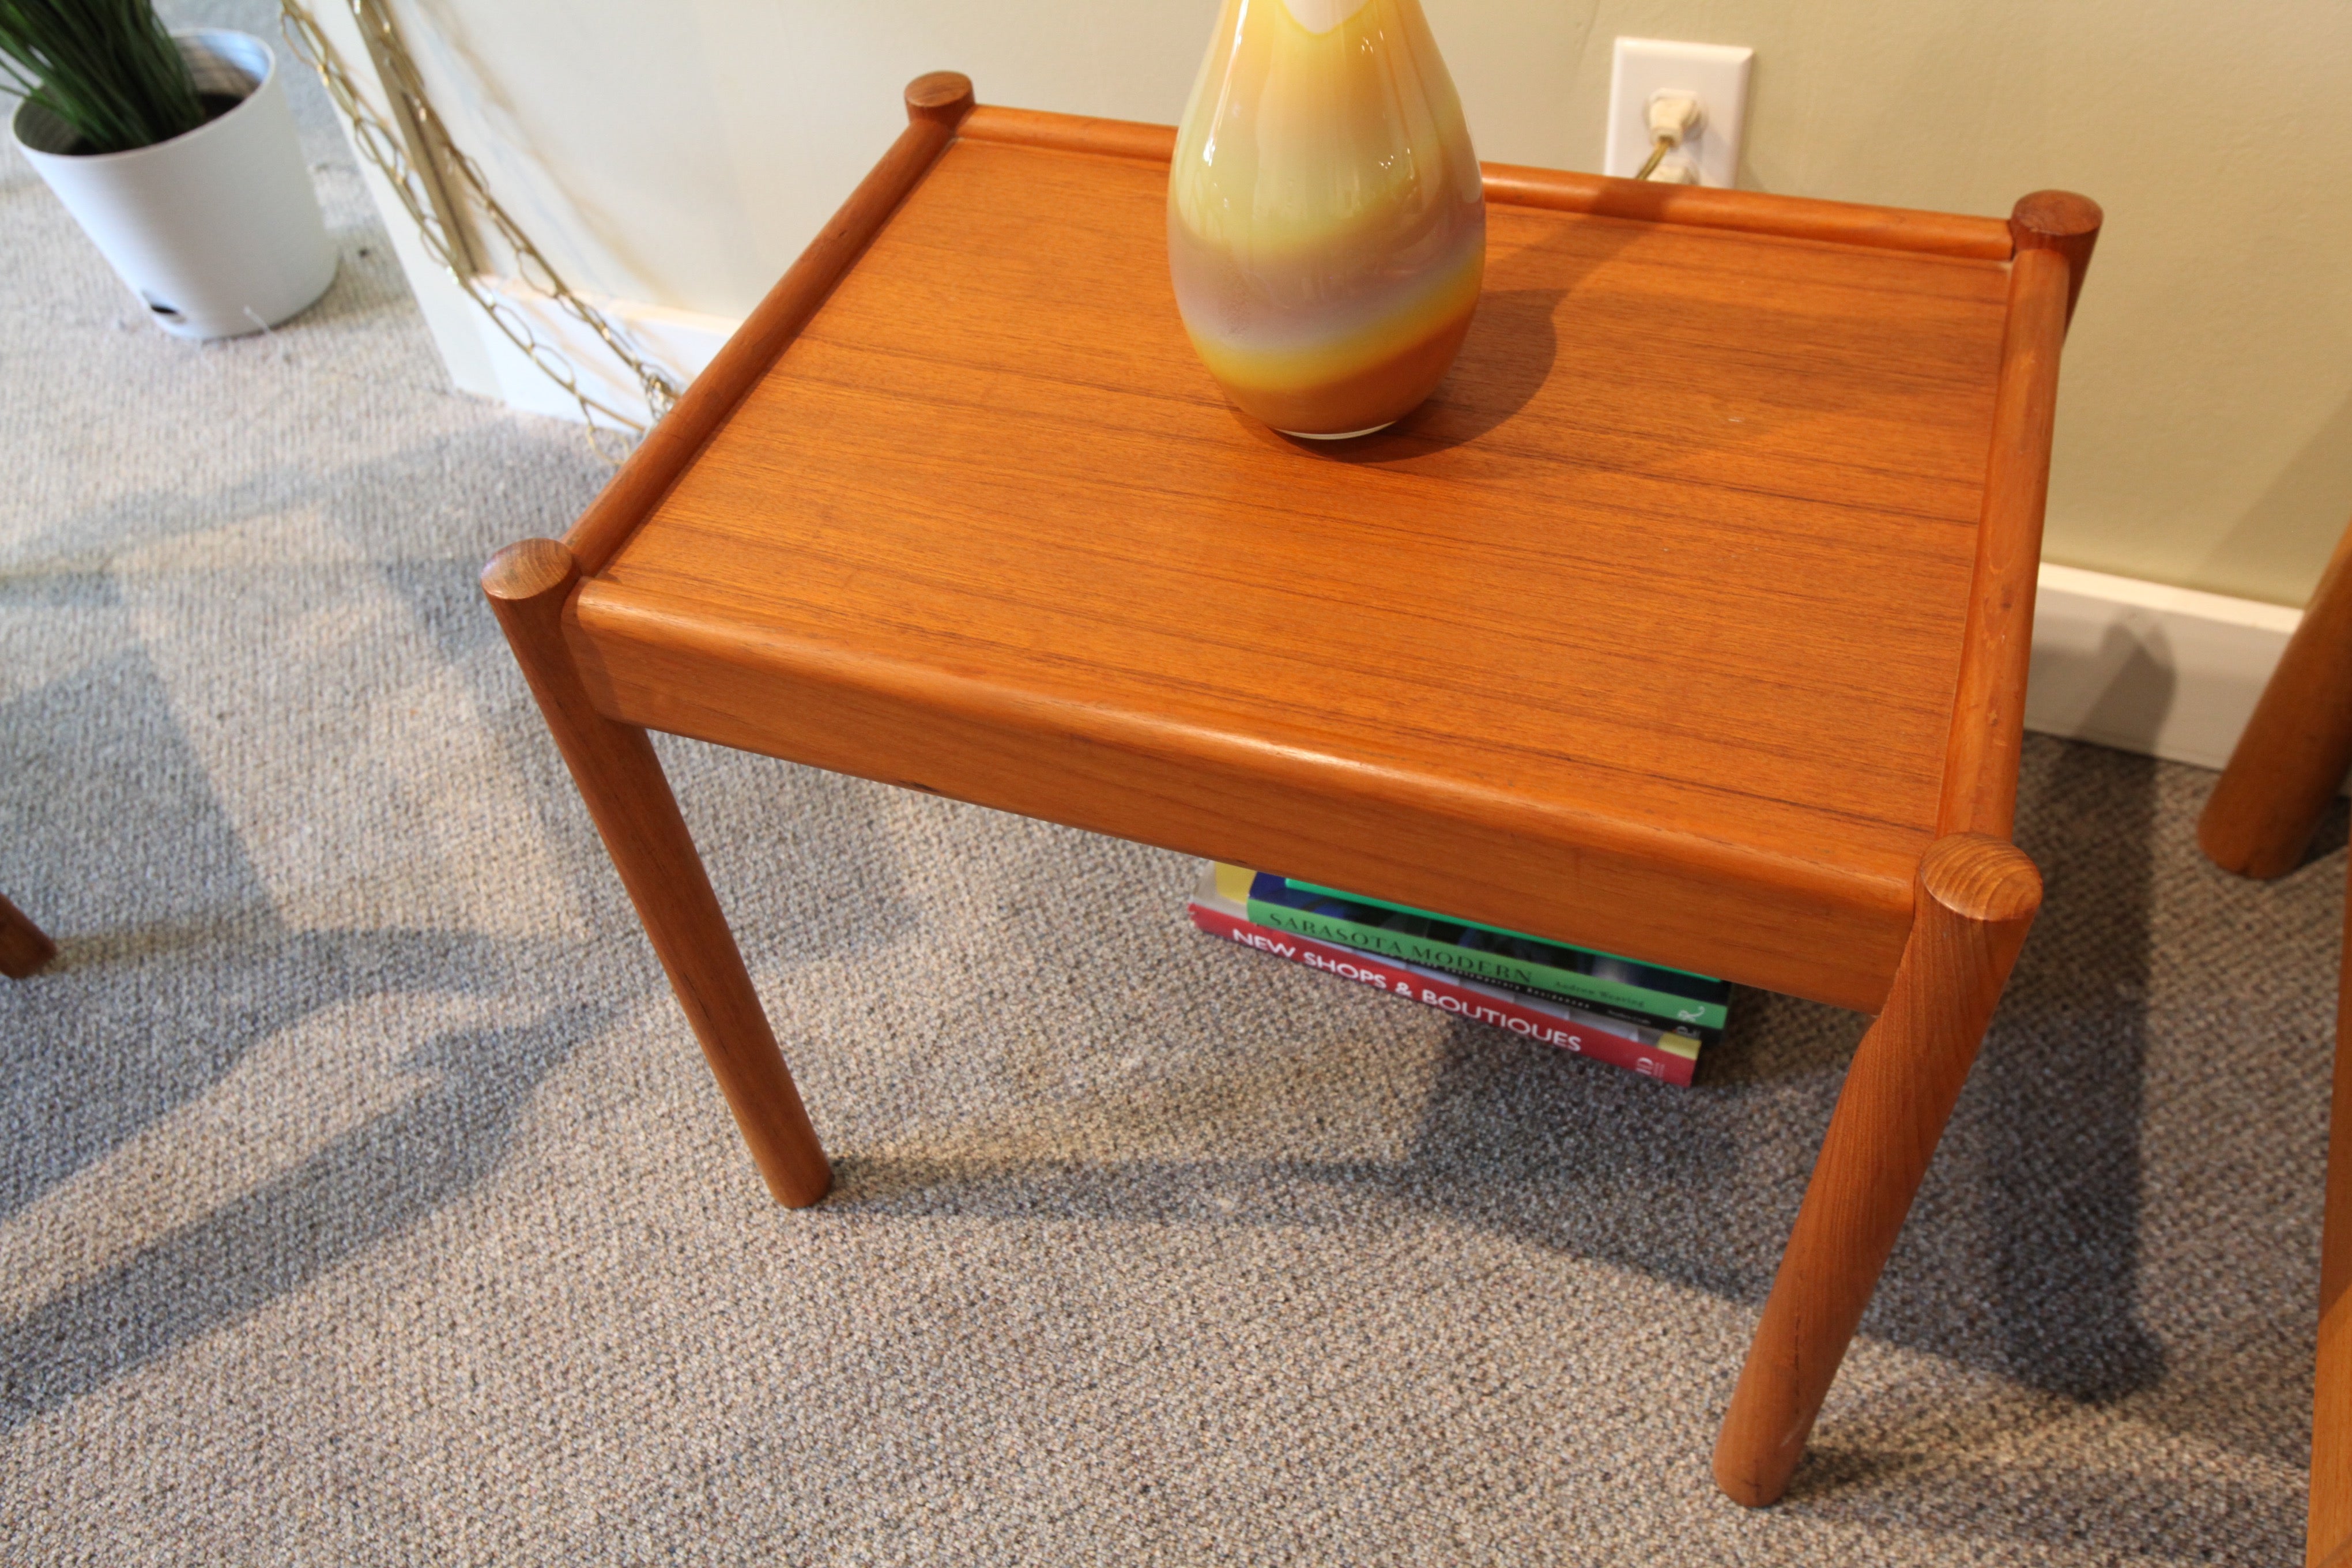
<point>24,946</point>
<point>2296,750</point>
<point>1975,898</point>
<point>621,779</point>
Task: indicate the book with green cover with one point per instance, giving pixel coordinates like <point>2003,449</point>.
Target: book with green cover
<point>1652,969</point>
<point>1666,1052</point>
<point>1489,953</point>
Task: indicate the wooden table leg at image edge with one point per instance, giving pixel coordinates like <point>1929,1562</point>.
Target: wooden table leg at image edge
<point>1976,896</point>
<point>621,780</point>
<point>2284,773</point>
<point>2329,1538</point>
<point>2293,757</point>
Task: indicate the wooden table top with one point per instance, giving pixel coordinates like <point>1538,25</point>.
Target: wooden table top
<point>1644,632</point>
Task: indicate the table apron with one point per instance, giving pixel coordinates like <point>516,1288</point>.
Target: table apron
<point>1684,902</point>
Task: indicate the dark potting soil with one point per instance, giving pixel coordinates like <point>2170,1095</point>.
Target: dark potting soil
<point>214,105</point>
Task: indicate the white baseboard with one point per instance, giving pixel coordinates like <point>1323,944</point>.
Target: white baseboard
<point>2166,672</point>
<point>2169,672</point>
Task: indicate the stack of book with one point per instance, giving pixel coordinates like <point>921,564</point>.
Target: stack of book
<point>1638,1015</point>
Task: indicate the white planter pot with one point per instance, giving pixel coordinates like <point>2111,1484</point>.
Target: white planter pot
<point>216,231</point>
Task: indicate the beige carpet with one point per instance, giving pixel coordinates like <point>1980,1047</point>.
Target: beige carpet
<point>364,1200</point>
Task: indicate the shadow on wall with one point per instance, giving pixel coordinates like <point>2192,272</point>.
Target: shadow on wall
<point>2306,502</point>
<point>2133,670</point>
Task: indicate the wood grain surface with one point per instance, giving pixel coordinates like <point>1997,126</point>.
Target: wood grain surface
<point>1072,133</point>
<point>1752,212</point>
<point>2055,232</point>
<point>1976,899</point>
<point>1988,717</point>
<point>2064,222</point>
<point>620,779</point>
<point>1644,632</point>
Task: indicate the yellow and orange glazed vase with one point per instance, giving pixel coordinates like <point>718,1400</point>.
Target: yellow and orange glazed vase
<point>1326,225</point>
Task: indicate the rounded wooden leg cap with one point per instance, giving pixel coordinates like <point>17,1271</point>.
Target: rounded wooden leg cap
<point>527,570</point>
<point>1982,878</point>
<point>942,96</point>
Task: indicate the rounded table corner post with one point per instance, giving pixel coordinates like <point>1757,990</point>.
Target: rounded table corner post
<point>620,779</point>
<point>2064,222</point>
<point>2296,750</point>
<point>943,98</point>
<point>24,946</point>
<point>528,570</point>
<point>1974,898</point>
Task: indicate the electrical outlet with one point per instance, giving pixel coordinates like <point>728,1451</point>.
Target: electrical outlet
<point>1714,74</point>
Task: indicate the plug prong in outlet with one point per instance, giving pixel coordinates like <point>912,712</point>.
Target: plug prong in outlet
<point>1647,70</point>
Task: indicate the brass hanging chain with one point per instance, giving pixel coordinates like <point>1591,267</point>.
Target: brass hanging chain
<point>610,432</point>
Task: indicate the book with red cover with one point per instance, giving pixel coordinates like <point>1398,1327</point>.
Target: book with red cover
<point>1665,1055</point>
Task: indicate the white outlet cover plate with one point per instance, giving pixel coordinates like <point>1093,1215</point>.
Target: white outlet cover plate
<point>1714,74</point>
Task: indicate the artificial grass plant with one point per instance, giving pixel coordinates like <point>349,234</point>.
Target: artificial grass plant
<point>107,67</point>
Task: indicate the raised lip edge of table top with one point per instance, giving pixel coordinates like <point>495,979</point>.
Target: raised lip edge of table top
<point>644,477</point>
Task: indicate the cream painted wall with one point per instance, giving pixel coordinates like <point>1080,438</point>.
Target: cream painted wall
<point>681,154</point>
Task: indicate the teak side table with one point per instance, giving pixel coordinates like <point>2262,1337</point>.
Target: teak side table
<point>1689,620</point>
